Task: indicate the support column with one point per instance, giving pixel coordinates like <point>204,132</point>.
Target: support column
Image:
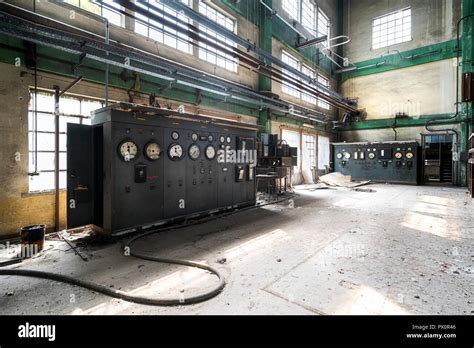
<point>264,82</point>
<point>467,42</point>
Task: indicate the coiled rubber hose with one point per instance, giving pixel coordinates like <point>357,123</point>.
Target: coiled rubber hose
<point>138,299</point>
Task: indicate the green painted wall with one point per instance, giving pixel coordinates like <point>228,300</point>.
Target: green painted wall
<point>280,31</point>
<point>422,55</point>
<point>398,123</point>
<point>61,63</point>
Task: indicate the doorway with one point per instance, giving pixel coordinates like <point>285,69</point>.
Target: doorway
<point>438,158</point>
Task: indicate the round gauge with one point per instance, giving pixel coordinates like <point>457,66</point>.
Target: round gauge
<point>398,155</point>
<point>128,150</point>
<point>194,152</point>
<point>210,152</point>
<point>371,155</point>
<point>410,155</point>
<point>228,140</point>
<point>194,137</point>
<point>339,155</point>
<point>222,139</point>
<point>175,152</point>
<point>152,151</point>
<point>347,156</point>
<point>210,138</point>
<point>175,135</point>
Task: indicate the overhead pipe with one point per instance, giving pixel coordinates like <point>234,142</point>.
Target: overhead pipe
<point>265,56</point>
<point>275,13</point>
<point>66,45</point>
<point>218,45</point>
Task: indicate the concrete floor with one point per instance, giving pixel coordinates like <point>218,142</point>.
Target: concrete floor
<point>398,250</point>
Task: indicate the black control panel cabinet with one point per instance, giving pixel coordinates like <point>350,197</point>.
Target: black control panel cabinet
<point>135,168</point>
<point>387,162</point>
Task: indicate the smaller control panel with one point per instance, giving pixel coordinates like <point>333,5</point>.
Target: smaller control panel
<point>391,162</point>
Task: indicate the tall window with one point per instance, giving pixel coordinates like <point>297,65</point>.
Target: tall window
<point>291,88</point>
<point>159,32</point>
<point>324,26</point>
<point>292,138</point>
<point>325,82</point>
<point>323,152</point>
<point>292,8</point>
<point>391,29</point>
<point>112,15</point>
<point>211,54</point>
<point>310,146</point>
<point>308,16</point>
<point>72,110</point>
<point>311,74</point>
<point>294,63</point>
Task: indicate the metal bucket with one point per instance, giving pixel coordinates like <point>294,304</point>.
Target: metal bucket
<point>32,240</point>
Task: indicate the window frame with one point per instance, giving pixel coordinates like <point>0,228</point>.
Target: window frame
<point>180,41</point>
<point>311,150</point>
<point>81,4</point>
<point>383,27</point>
<point>313,75</point>
<point>327,83</point>
<point>285,88</point>
<point>204,52</point>
<point>287,6</point>
<point>327,31</point>
<point>50,150</point>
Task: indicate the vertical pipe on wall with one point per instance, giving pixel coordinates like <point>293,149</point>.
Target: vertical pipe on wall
<point>107,41</point>
<point>265,37</point>
<point>56,157</point>
<point>467,67</point>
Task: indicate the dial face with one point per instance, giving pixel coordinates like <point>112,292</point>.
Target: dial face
<point>398,155</point>
<point>228,140</point>
<point>175,135</point>
<point>339,155</point>
<point>175,152</point>
<point>222,139</point>
<point>371,155</point>
<point>128,150</point>
<point>347,155</point>
<point>410,155</point>
<point>210,138</point>
<point>210,152</point>
<point>152,151</point>
<point>194,152</point>
<point>194,137</point>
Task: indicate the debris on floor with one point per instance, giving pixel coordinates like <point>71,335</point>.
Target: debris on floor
<point>340,180</point>
<point>364,190</point>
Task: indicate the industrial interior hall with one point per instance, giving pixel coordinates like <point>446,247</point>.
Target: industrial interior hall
<point>304,157</point>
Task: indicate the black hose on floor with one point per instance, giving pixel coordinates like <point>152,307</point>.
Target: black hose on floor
<point>138,299</point>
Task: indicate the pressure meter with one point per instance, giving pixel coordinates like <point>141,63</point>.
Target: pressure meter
<point>152,151</point>
<point>210,152</point>
<point>128,150</point>
<point>175,152</point>
<point>175,135</point>
<point>194,152</point>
